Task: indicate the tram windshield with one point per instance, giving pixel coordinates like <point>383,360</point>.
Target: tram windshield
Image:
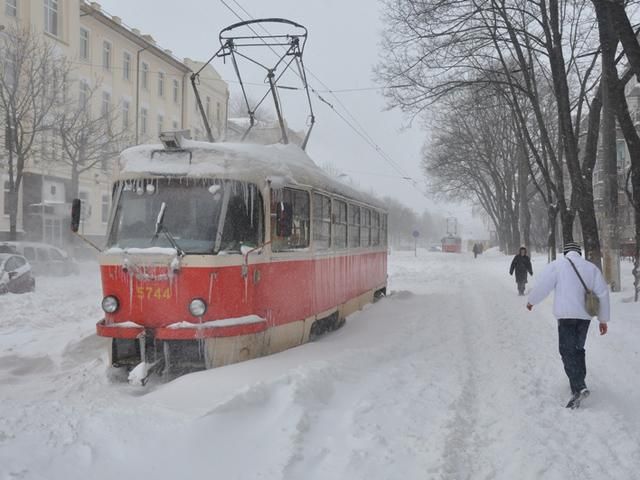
<point>203,217</point>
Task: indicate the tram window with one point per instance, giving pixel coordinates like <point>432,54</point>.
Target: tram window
<point>383,229</point>
<point>365,230</point>
<point>354,226</point>
<point>340,224</point>
<point>375,228</point>
<point>202,218</point>
<point>289,220</point>
<point>242,225</point>
<point>321,221</point>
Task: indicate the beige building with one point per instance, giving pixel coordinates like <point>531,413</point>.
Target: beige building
<point>147,87</point>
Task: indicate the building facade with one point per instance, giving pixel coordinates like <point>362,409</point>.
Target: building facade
<point>145,86</point>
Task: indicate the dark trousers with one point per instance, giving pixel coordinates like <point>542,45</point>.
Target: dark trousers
<point>572,334</point>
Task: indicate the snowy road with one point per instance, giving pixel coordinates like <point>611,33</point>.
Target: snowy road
<point>449,378</point>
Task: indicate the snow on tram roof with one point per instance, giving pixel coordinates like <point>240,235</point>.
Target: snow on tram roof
<point>255,163</point>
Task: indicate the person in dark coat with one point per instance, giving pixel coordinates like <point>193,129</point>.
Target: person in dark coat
<point>521,264</point>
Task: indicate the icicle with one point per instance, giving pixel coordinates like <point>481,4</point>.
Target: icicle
<point>212,276</point>
<point>252,204</point>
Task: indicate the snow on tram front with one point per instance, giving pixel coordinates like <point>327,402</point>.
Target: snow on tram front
<point>218,253</point>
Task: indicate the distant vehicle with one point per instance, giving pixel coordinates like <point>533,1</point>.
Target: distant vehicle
<point>435,248</point>
<point>15,274</point>
<point>44,259</point>
<point>452,244</point>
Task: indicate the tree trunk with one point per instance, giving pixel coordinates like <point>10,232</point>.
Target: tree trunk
<point>611,252</point>
<point>13,214</point>
<point>516,241</point>
<point>552,215</point>
<point>74,190</point>
<point>636,261</point>
<point>590,233</point>
<point>566,218</point>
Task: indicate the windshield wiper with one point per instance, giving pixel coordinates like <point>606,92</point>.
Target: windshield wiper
<point>161,228</point>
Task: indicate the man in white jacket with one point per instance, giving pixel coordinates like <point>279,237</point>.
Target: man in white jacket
<point>570,309</point>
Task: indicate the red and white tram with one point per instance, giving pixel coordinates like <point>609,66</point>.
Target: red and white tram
<point>219,253</point>
<point>452,244</point>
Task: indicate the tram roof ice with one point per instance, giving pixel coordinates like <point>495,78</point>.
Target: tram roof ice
<point>279,164</point>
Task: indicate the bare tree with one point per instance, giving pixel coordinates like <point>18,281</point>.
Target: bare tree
<point>89,140</point>
<point>31,85</point>
<point>435,47</point>
<point>615,26</point>
<point>475,156</point>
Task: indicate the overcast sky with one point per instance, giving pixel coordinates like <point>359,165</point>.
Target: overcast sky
<point>341,51</point>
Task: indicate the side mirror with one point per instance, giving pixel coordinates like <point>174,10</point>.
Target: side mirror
<point>284,219</point>
<point>76,208</point>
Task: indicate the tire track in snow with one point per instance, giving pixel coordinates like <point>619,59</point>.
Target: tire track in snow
<point>380,417</point>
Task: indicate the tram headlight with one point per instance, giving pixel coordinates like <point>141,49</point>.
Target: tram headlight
<point>110,304</point>
<point>197,307</point>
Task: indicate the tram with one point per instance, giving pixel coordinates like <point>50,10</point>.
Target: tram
<point>218,253</point>
<point>452,244</point>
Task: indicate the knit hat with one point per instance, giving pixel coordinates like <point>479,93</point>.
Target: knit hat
<point>572,247</point>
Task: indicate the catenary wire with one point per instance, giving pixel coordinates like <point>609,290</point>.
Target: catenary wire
<point>359,130</point>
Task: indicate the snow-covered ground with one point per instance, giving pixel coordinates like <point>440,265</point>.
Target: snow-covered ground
<point>448,378</point>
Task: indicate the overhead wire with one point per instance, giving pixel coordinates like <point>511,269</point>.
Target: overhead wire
<point>358,129</point>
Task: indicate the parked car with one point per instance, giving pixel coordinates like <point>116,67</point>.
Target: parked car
<point>44,259</point>
<point>15,274</point>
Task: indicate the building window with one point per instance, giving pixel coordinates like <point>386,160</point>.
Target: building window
<point>11,8</point>
<point>85,94</point>
<point>125,114</point>
<point>383,229</point>
<point>218,113</point>
<point>289,220</point>
<point>85,211</point>
<point>143,121</point>
<point>106,104</point>
<point>126,66</point>
<point>340,224</point>
<point>104,214</point>
<point>6,196</point>
<point>160,84</point>
<point>106,55</point>
<point>51,13</point>
<point>321,221</point>
<point>144,76</point>
<point>84,44</point>
<point>10,72</point>
<point>176,91</point>
<point>160,124</point>
<point>175,125</point>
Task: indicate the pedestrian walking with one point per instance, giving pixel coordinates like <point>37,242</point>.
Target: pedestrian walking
<point>476,250</point>
<point>521,265</point>
<point>581,293</point>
